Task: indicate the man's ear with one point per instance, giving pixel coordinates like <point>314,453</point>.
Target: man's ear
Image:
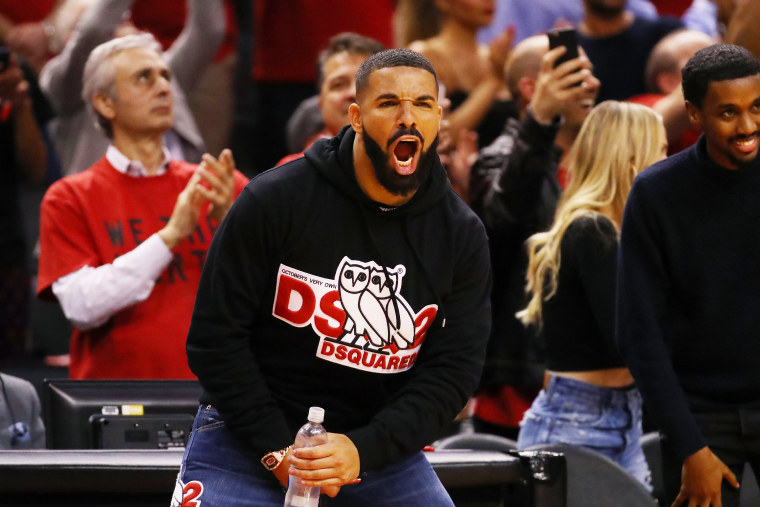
<point>526,86</point>
<point>695,115</point>
<point>668,81</point>
<point>104,105</point>
<point>355,115</point>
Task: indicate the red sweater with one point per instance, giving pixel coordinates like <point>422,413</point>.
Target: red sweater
<point>93,217</point>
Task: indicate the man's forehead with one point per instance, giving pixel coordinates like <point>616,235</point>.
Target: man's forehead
<point>402,80</point>
<point>343,62</point>
<point>138,57</point>
<point>744,89</point>
<point>345,57</point>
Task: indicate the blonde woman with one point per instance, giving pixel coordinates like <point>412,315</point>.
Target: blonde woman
<point>589,398</point>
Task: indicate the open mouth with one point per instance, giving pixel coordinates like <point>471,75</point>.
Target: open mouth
<point>405,154</point>
<point>746,144</point>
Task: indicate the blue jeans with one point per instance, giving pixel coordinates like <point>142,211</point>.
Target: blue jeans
<point>217,472</point>
<point>604,420</point>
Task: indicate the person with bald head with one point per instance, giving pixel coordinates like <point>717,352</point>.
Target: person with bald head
<point>663,80</point>
<point>514,188</point>
<point>668,57</point>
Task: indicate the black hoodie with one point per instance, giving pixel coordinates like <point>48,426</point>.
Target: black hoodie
<point>313,294</point>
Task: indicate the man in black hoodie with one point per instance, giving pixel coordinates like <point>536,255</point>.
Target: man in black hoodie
<point>688,324</point>
<point>353,279</point>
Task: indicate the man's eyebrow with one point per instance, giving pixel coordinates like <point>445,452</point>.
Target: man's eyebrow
<point>421,98</point>
<point>150,68</point>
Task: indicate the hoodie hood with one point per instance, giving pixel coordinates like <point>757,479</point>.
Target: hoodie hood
<point>334,157</point>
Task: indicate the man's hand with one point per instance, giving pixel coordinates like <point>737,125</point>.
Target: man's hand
<point>30,40</point>
<point>218,183</point>
<point>460,163</point>
<point>187,210</point>
<point>14,89</point>
<point>559,87</point>
<point>701,479</point>
<point>498,51</point>
<point>329,465</point>
<point>281,472</point>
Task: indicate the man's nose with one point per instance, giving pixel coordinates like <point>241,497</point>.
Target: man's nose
<point>351,93</point>
<point>748,124</point>
<point>165,90</point>
<point>406,115</point>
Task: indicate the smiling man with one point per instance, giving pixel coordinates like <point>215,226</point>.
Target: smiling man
<point>688,305</point>
<point>353,279</point>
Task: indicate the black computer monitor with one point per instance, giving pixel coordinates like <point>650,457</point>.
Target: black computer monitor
<point>119,414</point>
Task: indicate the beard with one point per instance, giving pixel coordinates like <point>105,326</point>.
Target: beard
<point>601,9</point>
<point>386,175</point>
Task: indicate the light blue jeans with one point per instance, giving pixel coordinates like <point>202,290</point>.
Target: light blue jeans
<point>217,472</point>
<point>604,420</point>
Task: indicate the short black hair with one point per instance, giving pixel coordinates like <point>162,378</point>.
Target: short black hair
<point>398,57</point>
<point>349,42</point>
<point>719,62</point>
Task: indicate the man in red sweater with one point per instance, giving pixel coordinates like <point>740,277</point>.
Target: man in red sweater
<point>123,243</point>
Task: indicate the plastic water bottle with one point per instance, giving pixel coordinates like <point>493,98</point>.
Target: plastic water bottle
<point>311,434</point>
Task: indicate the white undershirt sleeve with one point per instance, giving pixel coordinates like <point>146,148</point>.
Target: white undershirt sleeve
<point>90,296</point>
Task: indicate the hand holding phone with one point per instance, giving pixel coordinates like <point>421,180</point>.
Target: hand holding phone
<point>566,37</point>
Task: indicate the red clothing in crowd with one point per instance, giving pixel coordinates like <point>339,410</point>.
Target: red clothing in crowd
<point>26,12</point>
<point>674,8</point>
<point>95,216</point>
<point>687,139</point>
<point>166,19</point>
<point>289,35</point>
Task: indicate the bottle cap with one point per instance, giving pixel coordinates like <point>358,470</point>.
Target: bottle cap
<point>316,415</point>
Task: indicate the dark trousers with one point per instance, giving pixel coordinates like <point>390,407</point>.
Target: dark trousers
<point>733,436</point>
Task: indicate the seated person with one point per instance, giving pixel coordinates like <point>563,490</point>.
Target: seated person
<point>122,244</point>
<point>21,424</point>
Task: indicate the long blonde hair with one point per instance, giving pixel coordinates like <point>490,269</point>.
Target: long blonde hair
<point>616,141</point>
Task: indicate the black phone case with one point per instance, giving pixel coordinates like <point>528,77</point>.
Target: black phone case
<point>564,37</point>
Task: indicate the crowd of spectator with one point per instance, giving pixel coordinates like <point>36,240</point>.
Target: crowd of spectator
<point>142,121</point>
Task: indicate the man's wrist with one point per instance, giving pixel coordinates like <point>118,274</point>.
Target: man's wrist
<point>542,118</point>
<point>169,238</point>
<point>272,460</point>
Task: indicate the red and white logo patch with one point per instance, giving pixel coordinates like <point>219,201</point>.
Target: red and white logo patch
<point>360,316</point>
<point>187,495</point>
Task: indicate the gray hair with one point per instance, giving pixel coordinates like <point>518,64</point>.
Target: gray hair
<point>99,71</point>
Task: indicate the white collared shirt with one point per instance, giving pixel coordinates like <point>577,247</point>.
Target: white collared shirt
<point>90,295</point>
<point>134,168</point>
